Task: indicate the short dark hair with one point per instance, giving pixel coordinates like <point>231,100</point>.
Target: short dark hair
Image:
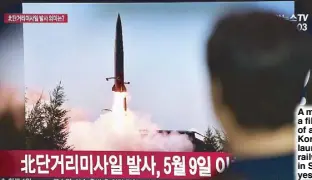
<point>261,61</point>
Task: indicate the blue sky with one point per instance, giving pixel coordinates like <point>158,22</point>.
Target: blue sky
<point>164,56</point>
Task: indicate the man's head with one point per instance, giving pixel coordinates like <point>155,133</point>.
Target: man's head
<point>257,63</point>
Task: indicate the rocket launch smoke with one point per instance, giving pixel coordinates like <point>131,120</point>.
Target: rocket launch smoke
<point>117,131</point>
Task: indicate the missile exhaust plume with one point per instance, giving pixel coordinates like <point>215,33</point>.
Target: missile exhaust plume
<point>117,131</point>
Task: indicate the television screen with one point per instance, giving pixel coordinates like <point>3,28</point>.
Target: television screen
<point>80,71</point>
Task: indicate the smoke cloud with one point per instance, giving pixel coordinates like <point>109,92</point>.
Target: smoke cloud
<point>120,131</point>
<point>115,130</point>
<point>131,133</point>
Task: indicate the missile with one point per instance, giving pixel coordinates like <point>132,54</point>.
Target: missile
<point>119,85</point>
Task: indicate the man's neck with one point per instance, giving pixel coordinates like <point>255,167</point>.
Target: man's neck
<point>264,144</point>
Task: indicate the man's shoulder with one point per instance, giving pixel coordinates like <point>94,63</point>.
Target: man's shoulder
<point>271,168</point>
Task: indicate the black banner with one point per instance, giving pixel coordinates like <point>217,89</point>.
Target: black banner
<point>24,178</point>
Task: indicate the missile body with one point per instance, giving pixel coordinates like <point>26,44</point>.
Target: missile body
<point>119,85</point>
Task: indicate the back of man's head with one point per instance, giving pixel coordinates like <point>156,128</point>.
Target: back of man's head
<point>261,61</point>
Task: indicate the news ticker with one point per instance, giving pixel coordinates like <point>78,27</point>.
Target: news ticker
<point>112,164</point>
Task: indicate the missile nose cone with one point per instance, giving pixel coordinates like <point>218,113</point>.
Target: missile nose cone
<point>118,23</point>
<point>118,17</point>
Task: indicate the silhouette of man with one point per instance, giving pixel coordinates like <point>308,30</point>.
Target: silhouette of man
<point>257,64</point>
<point>12,108</point>
<point>12,120</point>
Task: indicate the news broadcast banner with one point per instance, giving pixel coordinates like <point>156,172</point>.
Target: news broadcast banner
<point>17,18</point>
<point>112,164</point>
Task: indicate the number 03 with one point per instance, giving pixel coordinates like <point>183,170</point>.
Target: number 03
<point>302,26</point>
